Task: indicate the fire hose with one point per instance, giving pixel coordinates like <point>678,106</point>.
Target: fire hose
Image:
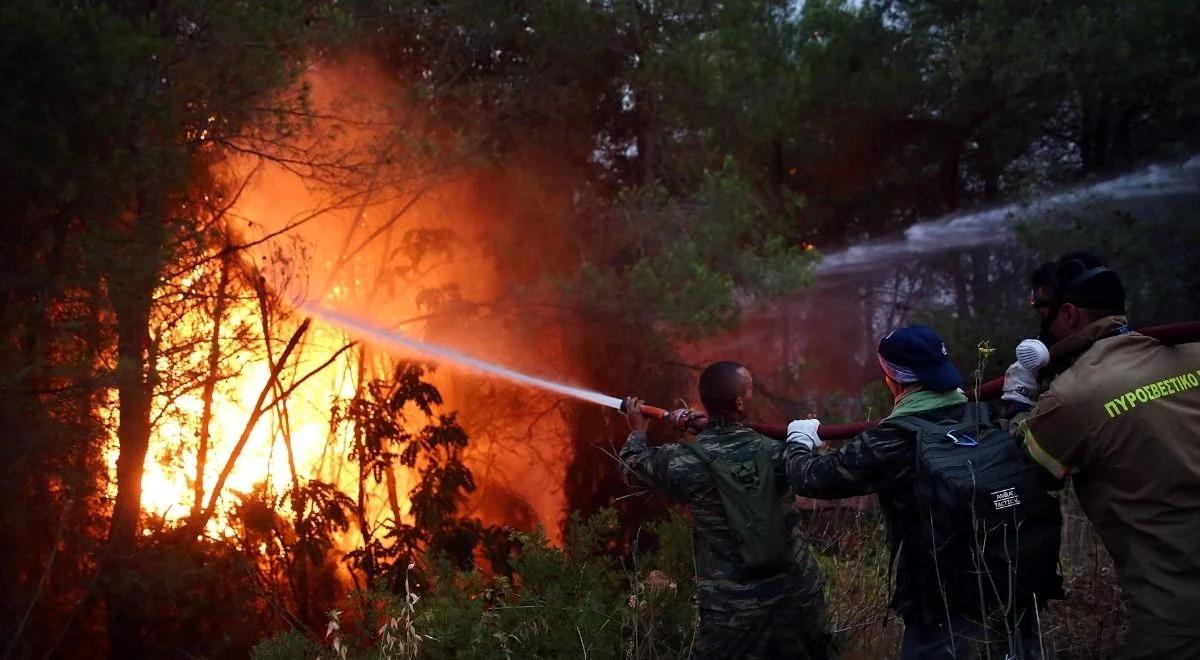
<point>1171,334</point>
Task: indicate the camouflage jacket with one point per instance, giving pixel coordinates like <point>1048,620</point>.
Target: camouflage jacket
<point>720,583</point>
<point>880,460</point>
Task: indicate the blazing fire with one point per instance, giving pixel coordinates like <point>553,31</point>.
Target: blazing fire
<point>389,256</point>
<point>170,476</point>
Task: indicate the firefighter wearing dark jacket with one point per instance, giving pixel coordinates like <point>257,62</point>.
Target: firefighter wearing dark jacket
<point>1121,417</point>
<point>918,372</point>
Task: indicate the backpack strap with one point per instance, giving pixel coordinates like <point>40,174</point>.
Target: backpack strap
<point>976,414</point>
<point>921,428</point>
<point>699,452</point>
<point>762,456</point>
<point>917,425</point>
<point>961,432</point>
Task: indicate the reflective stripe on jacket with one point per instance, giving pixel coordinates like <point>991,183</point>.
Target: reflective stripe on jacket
<point>1123,418</point>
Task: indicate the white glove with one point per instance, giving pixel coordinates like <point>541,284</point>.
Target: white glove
<point>1020,384</point>
<point>1033,354</point>
<point>804,432</point>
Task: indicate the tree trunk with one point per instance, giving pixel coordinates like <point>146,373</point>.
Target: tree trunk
<point>645,106</point>
<point>981,284</point>
<point>210,385</point>
<point>647,136</point>
<point>132,277</point>
<point>1094,148</point>
<point>134,395</point>
<point>949,180</point>
<point>961,308</point>
<point>778,175</point>
<point>1123,148</point>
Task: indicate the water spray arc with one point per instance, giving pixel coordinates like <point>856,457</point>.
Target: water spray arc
<point>398,340</point>
<point>1178,333</point>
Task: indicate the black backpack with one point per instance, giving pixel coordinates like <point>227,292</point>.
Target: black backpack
<point>986,513</point>
<point>753,508</point>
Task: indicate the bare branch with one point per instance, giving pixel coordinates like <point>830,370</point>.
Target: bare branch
<point>197,523</point>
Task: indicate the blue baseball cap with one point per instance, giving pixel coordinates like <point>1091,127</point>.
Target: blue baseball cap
<point>915,353</point>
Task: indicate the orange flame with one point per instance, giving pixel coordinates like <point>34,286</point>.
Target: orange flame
<point>350,261</point>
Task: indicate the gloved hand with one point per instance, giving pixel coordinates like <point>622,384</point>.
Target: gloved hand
<point>1033,354</point>
<point>804,432</point>
<point>1020,384</point>
<point>1020,380</point>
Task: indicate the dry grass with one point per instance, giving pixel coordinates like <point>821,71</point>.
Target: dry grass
<point>1090,623</point>
<point>852,550</point>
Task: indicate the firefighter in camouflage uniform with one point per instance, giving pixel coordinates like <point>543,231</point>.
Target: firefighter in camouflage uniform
<point>747,610</point>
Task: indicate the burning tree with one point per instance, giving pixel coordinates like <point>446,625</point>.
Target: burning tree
<point>122,202</point>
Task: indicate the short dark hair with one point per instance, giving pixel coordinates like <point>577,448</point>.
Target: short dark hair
<point>1082,279</point>
<point>720,386</point>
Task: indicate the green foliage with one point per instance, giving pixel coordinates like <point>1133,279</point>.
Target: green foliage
<point>953,104</point>
<point>287,646</point>
<point>122,116</point>
<point>560,602</point>
<point>852,552</point>
<point>695,260</point>
<point>662,621</point>
<point>569,596</point>
<point>383,421</point>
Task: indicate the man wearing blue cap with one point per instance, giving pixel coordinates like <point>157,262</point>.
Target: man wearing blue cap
<point>926,386</point>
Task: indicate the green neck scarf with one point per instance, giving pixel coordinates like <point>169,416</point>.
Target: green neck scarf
<point>919,400</point>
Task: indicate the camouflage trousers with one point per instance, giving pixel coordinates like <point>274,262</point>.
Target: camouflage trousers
<point>789,628</point>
